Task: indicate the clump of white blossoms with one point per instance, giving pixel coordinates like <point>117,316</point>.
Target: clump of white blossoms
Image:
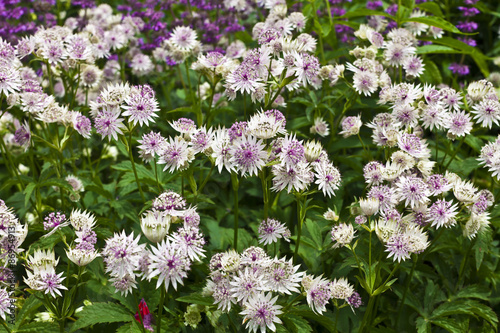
<point>255,282</point>
<point>41,273</point>
<point>170,259</point>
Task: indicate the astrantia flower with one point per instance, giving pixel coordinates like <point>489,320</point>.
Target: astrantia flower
<point>369,206</point>
<point>183,125</point>
<point>176,154</point>
<point>459,124</point>
<point>124,284</point>
<point>476,223</point>
<point>282,276</point>
<point>82,125</point>
<point>10,81</point>
<point>487,112</point>
<point>202,140</point>
<point>254,256</point>
<point>292,151</point>
<point>413,145</point>
<point>140,109</point>
<point>320,127</point>
<point>50,282</point>
<point>319,294</point>
<point>372,173</point>
<point>328,177</point>
<point>170,263</point>
<point>22,136</point>
<point>398,247</point>
<point>365,82</point>
<point>54,221</point>
<point>244,79</point>
<point>442,213</point>
<point>270,230</point>
<point>351,126</point>
<point>413,66</point>
<point>246,284</point>
<point>81,257</point>
<point>412,190</point>
<point>306,67</point>
<point>265,126</point>
<point>151,144</point>
<point>4,303</point>
<point>221,147</point>
<point>122,254</point>
<point>341,289</point>
<point>465,191</point>
<point>170,203</point>
<point>434,116</point>
<point>385,195</point>
<point>82,220</point>
<point>155,225</point>
<point>261,312</point>
<point>184,38</point>
<point>108,123</point>
<point>438,184</point>
<point>248,155</point>
<point>189,240</point>
<point>342,235</point>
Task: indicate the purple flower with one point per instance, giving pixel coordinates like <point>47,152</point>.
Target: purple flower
<point>459,69</point>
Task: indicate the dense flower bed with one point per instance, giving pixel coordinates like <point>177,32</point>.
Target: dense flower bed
<point>237,165</point>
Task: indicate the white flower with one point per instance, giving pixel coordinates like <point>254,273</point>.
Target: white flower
<point>261,312</point>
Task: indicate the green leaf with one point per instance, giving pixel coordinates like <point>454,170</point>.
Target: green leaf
<point>474,142</point>
<point>36,327</point>
<point>483,242</point>
<point>324,320</point>
<point>365,12</point>
<point>432,73</point>
<point>129,328</point>
<point>479,58</point>
<point>435,22</point>
<point>449,324</point>
<point>422,325</point>
<point>30,305</point>
<point>196,298</point>
<point>28,191</point>
<point>432,48</point>
<point>474,291</point>
<point>431,7</point>
<point>101,313</point>
<point>315,233</point>
<point>296,324</point>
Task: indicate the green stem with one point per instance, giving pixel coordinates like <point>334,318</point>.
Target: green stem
<point>454,153</point>
<point>160,309</point>
<point>300,219</point>
<point>156,176</point>
<point>265,192</point>
<point>357,260</point>
<point>367,314</point>
<point>407,287</point>
<point>235,183</point>
<point>129,146</point>
<point>462,265</point>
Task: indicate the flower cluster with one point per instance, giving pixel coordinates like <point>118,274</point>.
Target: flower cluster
<point>252,278</point>
<point>41,271</point>
<point>83,252</point>
<point>170,259</point>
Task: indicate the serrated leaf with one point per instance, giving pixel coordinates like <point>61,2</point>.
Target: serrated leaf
<point>482,244</point>
<point>196,298</point>
<point>129,328</point>
<point>315,233</point>
<point>422,325</point>
<point>449,324</point>
<point>101,313</point>
<point>474,291</point>
<point>31,304</point>
<point>37,327</point>
<point>324,320</point>
<point>296,324</point>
